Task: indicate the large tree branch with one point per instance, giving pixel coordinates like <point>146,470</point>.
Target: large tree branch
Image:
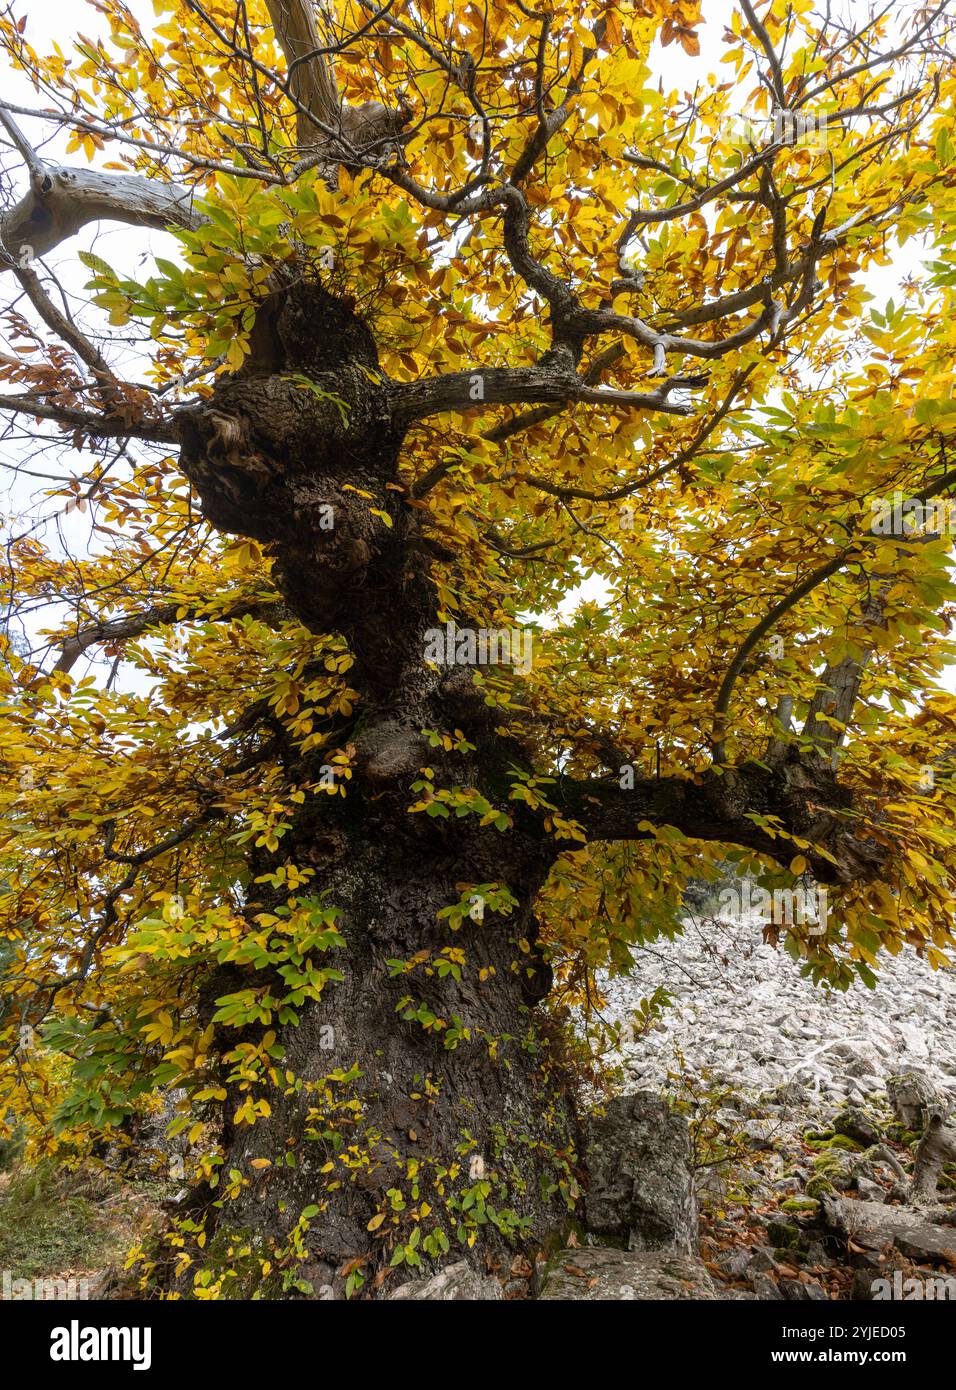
<point>358,135</point>
<point>529,418</point>
<point>573,323</point>
<point>523,386</point>
<point>63,200</point>
<point>311,81</point>
<point>727,808</point>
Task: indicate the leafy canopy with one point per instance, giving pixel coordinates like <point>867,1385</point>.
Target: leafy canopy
<point>716,244</point>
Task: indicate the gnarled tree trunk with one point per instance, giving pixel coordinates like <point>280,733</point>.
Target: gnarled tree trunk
<point>423,1090</point>
<point>414,1090</point>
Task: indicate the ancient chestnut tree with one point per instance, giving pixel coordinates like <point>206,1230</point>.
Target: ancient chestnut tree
<point>327,795</point>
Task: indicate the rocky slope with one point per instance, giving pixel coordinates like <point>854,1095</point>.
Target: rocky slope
<point>803,1143</point>
<point>743,1014</point>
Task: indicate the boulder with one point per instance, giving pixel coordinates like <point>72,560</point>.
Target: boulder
<point>800,1291</point>
<point>596,1275</point>
<point>734,1263</point>
<point>453,1283</point>
<point>638,1157</point>
<point>874,1226</point>
<point>911,1096</point>
<point>765,1288</point>
<point>761,1261</point>
<point>858,1124</point>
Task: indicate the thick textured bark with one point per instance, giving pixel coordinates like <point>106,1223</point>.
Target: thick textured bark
<point>385,1100</point>
<point>298,450</point>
